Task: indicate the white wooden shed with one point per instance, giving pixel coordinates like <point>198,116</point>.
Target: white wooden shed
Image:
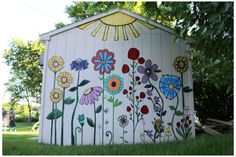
<point>115,78</point>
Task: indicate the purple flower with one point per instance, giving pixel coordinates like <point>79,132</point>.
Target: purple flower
<point>149,92</point>
<point>79,64</point>
<point>148,71</point>
<point>149,133</point>
<point>156,99</point>
<point>90,95</point>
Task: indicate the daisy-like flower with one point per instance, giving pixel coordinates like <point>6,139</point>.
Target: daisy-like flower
<point>168,131</point>
<point>104,61</point>
<point>123,121</point>
<point>64,79</point>
<point>113,84</point>
<point>91,95</point>
<point>170,86</point>
<point>55,63</point>
<point>181,64</point>
<point>56,95</point>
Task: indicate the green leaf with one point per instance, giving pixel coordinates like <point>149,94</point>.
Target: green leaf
<point>125,132</point>
<point>121,137</point>
<point>84,82</point>
<point>187,89</point>
<point>179,132</point>
<point>98,109</point>
<point>147,86</point>
<point>172,107</point>
<point>163,113</point>
<point>73,89</point>
<point>90,122</point>
<point>117,103</point>
<point>179,113</point>
<point>110,99</point>
<point>69,100</point>
<point>170,123</point>
<point>126,141</point>
<point>157,71</point>
<point>55,114</point>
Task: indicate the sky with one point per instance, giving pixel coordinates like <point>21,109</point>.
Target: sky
<point>26,19</point>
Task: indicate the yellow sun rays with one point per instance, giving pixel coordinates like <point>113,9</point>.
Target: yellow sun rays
<point>118,25</point>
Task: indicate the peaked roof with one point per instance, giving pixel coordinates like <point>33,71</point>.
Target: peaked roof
<point>105,17</point>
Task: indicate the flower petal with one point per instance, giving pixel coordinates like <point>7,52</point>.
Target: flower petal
<point>141,69</point>
<point>148,63</point>
<point>154,67</point>
<point>145,79</point>
<point>153,76</point>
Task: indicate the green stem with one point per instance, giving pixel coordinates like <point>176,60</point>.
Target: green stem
<point>182,84</point>
<point>82,135</point>
<point>123,135</point>
<point>62,118</point>
<point>103,76</point>
<point>172,121</point>
<point>73,114</point>
<point>94,134</point>
<point>113,119</point>
<point>54,84</point>
<point>133,104</point>
<point>144,133</point>
<point>55,128</point>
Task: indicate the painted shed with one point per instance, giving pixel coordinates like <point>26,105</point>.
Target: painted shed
<point>115,78</point>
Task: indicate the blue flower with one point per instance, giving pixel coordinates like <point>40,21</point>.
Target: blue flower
<point>170,86</point>
<point>113,84</point>
<point>81,119</point>
<point>79,64</point>
<point>104,61</point>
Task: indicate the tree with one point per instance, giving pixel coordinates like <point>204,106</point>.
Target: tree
<point>26,74</point>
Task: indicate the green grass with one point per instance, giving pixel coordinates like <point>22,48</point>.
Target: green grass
<point>18,144</point>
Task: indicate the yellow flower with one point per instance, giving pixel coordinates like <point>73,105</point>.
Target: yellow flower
<point>56,95</point>
<point>181,64</point>
<point>168,131</point>
<point>64,79</point>
<point>55,63</point>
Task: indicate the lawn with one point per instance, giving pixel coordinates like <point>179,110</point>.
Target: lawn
<point>19,143</point>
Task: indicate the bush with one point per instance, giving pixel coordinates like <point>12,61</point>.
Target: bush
<point>212,102</point>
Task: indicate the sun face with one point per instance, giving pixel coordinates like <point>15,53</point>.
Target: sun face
<point>116,26</point>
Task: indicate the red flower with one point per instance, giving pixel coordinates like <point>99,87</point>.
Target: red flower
<point>137,97</point>
<point>125,91</point>
<point>128,109</point>
<point>141,60</point>
<point>142,95</point>
<point>104,61</point>
<point>178,124</point>
<point>185,125</point>
<point>190,122</point>
<point>137,78</point>
<point>125,68</point>
<point>144,109</point>
<point>130,88</point>
<point>187,117</point>
<point>133,54</point>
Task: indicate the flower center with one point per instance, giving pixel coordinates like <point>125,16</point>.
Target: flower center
<point>56,95</point>
<point>55,64</point>
<point>88,91</point>
<point>63,79</point>
<point>113,84</point>
<point>171,86</point>
<point>181,64</point>
<point>148,71</point>
<point>103,62</point>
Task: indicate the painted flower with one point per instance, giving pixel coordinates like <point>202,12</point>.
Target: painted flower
<point>168,131</point>
<point>125,68</point>
<point>149,133</point>
<point>123,121</point>
<point>104,61</point>
<point>56,95</point>
<point>181,64</point>
<point>133,54</point>
<point>148,71</point>
<point>170,86</point>
<point>156,99</point>
<point>64,79</point>
<point>158,122</point>
<point>90,95</point>
<point>79,64</point>
<point>144,109</point>
<point>55,63</point>
<point>81,119</point>
<point>149,92</point>
<point>113,84</point>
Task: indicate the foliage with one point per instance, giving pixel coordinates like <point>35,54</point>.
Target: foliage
<point>202,145</point>
<point>212,102</point>
<point>26,74</point>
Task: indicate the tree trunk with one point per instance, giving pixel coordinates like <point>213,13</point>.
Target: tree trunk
<point>29,107</point>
